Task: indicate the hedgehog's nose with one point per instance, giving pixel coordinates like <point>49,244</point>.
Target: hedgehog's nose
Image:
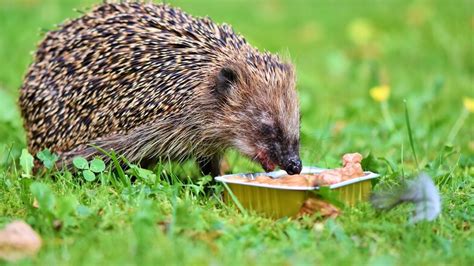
<point>293,166</point>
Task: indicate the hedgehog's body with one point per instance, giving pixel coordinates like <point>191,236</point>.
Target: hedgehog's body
<point>150,81</point>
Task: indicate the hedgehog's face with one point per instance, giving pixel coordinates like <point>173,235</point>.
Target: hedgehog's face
<point>261,116</point>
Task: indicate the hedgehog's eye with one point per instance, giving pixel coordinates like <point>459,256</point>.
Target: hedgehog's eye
<point>267,130</point>
<point>224,82</point>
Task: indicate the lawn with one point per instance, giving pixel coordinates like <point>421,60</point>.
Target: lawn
<point>422,50</point>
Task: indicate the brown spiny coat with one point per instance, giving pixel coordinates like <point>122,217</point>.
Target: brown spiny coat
<point>151,82</point>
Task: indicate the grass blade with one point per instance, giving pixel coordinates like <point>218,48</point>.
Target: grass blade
<point>410,135</point>
<point>235,200</point>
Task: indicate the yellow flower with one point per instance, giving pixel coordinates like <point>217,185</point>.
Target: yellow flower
<point>380,93</point>
<point>469,104</point>
<point>360,31</point>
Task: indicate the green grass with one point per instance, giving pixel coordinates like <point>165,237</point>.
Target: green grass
<point>423,50</point>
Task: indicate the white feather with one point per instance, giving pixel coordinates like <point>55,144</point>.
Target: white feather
<point>421,191</point>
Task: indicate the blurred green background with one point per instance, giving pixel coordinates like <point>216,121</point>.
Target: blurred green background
<point>358,63</point>
<point>422,49</point>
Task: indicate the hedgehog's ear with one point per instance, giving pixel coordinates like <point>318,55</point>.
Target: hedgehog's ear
<point>225,80</point>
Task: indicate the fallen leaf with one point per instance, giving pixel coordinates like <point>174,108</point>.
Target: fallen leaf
<point>325,209</point>
<point>35,203</point>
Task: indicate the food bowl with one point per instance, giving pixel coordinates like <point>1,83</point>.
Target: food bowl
<point>277,201</point>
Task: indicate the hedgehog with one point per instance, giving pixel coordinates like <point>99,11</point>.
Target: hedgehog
<point>151,83</point>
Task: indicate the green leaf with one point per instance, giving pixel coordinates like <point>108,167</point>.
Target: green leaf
<point>80,163</point>
<point>47,158</point>
<point>97,165</point>
<point>26,162</point>
<point>369,163</point>
<point>141,173</point>
<point>88,175</point>
<point>44,196</point>
<point>66,206</point>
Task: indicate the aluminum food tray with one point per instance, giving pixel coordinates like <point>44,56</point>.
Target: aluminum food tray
<point>278,201</point>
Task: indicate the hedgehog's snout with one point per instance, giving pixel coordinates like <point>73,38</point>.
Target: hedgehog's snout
<point>278,148</point>
<point>287,158</point>
<point>293,165</point>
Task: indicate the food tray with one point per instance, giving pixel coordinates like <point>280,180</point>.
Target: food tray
<point>278,201</point>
